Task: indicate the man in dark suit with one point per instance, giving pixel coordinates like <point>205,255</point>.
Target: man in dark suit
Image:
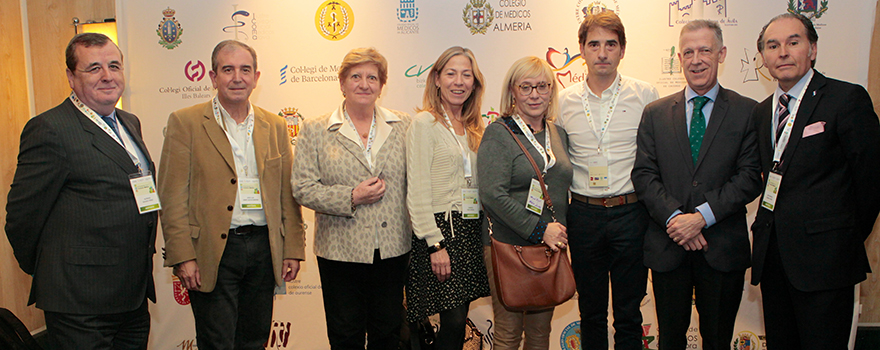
<point>696,169</point>
<point>819,142</point>
<point>81,212</point>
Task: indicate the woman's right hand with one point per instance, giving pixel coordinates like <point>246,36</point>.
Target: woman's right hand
<point>440,265</point>
<point>368,192</point>
<point>555,236</point>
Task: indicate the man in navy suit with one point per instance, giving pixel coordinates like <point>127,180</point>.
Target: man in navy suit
<point>696,169</point>
<point>81,216</point>
<point>819,142</point>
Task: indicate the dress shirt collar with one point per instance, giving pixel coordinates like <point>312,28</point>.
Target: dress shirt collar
<point>712,94</point>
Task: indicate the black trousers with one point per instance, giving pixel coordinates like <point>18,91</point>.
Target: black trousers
<point>237,314</point>
<point>717,296</point>
<point>608,243</point>
<point>798,320</point>
<point>363,299</point>
<point>123,331</point>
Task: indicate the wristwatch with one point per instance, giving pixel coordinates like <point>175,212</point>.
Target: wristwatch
<point>437,246</point>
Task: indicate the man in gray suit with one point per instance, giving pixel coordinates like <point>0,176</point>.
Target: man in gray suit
<point>696,169</point>
<point>81,215</point>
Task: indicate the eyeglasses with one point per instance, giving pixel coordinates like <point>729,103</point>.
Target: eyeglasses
<point>526,89</point>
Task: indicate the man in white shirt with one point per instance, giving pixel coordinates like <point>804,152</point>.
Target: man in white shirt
<point>606,222</point>
<point>232,228</point>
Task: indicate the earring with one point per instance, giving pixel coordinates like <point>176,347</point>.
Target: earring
<point>343,94</point>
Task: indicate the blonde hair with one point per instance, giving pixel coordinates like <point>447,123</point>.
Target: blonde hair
<point>364,55</point>
<point>470,114</point>
<point>524,68</point>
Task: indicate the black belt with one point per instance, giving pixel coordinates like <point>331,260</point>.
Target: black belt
<point>248,230</point>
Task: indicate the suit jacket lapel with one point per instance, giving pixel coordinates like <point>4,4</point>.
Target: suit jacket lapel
<point>106,144</point>
<point>719,111</point>
<point>812,95</point>
<point>351,146</point>
<point>218,137</point>
<point>261,140</point>
<point>678,112</point>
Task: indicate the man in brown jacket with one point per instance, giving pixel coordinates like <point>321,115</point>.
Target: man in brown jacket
<point>232,228</point>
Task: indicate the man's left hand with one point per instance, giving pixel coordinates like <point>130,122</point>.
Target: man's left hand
<point>684,227</point>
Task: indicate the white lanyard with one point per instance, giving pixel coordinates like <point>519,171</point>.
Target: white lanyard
<point>786,130</point>
<point>239,152</point>
<point>368,148</point>
<point>465,156</point>
<point>88,112</point>
<point>612,105</point>
<point>531,137</point>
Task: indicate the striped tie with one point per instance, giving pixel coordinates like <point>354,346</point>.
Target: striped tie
<point>782,112</point>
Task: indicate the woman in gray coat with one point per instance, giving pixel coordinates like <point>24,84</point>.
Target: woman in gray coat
<point>528,105</point>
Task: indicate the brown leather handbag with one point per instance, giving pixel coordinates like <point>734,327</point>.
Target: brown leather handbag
<point>531,277</point>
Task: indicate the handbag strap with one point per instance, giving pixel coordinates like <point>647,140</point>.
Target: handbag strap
<point>547,200</point>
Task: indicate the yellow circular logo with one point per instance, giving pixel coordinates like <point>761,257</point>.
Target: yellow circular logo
<point>334,19</point>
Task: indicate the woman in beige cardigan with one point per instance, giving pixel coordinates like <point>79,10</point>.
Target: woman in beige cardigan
<point>446,270</point>
<point>350,168</point>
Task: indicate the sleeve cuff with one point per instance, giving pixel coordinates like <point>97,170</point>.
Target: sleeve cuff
<point>706,211</point>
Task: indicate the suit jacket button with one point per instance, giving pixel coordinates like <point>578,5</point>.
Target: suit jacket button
<point>229,208</point>
<point>385,224</point>
<point>232,181</point>
<point>222,236</point>
<point>696,184</point>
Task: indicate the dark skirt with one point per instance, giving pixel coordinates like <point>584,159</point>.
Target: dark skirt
<point>425,294</point>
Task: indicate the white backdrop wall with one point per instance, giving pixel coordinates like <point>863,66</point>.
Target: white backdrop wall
<point>298,66</point>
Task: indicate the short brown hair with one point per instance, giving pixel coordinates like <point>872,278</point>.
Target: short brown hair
<point>364,55</point>
<point>84,40</point>
<point>605,19</point>
<point>229,43</point>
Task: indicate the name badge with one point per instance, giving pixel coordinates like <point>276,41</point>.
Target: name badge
<point>535,202</point>
<point>249,194</point>
<point>470,203</point>
<point>145,195</point>
<point>597,166</point>
<point>773,181</point>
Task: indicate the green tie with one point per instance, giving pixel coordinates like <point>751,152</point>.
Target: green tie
<point>698,126</point>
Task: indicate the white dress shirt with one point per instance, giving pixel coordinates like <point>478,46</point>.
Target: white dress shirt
<point>618,143</point>
<point>238,131</point>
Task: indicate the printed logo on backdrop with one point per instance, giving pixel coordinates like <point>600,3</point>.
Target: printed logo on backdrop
<point>647,339</point>
<point>746,341</point>
<point>169,30</point>
<point>683,11</point>
<point>491,115</point>
<point>279,337</point>
<point>570,339</point>
<point>752,67</point>
<point>181,295</point>
<point>407,14</point>
<point>419,73</point>
<point>194,71</point>
<point>334,20</point>
<point>592,7</point>
<point>244,26</point>
<point>477,16</point>
<point>298,288</point>
<point>512,16</point>
<point>812,9</point>
<point>294,121</point>
<point>670,70</point>
<point>187,344</point>
<point>308,74</point>
<point>562,64</point>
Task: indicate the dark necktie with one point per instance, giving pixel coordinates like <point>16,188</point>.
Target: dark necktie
<point>698,126</point>
<point>111,122</point>
<point>782,112</point>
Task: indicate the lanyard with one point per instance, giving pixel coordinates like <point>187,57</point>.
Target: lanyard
<point>465,155</point>
<point>531,137</point>
<point>88,112</point>
<point>786,130</point>
<point>612,105</point>
<point>368,148</point>
<point>239,152</point>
